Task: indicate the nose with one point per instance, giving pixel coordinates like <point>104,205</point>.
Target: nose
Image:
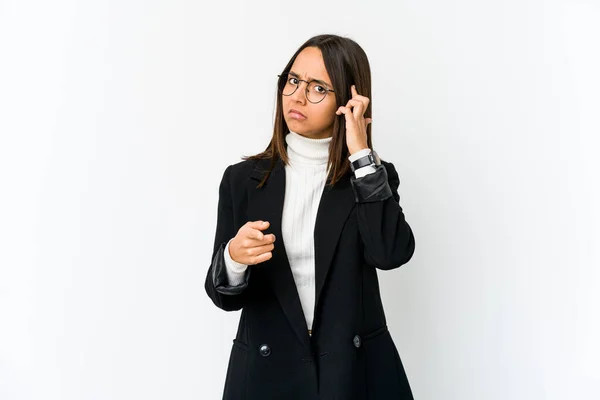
<point>300,94</point>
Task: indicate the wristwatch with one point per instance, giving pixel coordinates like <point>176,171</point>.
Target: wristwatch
<point>370,159</point>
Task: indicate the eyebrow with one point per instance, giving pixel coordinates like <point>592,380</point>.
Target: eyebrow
<point>310,79</point>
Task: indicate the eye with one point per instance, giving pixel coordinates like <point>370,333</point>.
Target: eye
<point>290,80</point>
<point>320,89</point>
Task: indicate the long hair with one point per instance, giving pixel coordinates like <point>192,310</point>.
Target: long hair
<point>347,65</point>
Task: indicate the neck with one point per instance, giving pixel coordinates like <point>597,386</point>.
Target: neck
<point>304,150</point>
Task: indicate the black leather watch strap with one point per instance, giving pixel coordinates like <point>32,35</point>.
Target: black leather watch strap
<point>369,159</point>
<point>363,161</point>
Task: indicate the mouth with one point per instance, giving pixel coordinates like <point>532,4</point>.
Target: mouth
<point>296,114</point>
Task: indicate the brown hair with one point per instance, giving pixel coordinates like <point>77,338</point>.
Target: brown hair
<point>347,64</point>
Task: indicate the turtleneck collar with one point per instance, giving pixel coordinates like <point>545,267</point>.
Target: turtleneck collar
<point>305,150</point>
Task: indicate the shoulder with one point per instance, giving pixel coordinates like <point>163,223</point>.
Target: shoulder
<point>241,170</point>
<point>244,167</point>
<point>390,169</point>
<point>388,165</point>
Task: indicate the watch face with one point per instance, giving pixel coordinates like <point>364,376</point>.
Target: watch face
<point>372,157</point>
<point>377,159</point>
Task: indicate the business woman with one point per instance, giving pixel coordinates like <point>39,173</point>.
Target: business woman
<point>302,229</point>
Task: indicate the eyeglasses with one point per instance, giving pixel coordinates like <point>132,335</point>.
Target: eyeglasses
<point>315,90</point>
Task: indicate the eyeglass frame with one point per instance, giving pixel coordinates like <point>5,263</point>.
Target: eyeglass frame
<point>306,91</point>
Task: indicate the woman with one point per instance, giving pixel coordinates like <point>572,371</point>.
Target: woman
<point>301,230</point>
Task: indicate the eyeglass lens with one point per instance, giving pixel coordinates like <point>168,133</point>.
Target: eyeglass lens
<point>316,91</point>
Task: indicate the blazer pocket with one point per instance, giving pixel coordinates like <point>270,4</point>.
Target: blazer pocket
<point>375,333</point>
<point>235,380</point>
<point>241,345</point>
<point>385,379</point>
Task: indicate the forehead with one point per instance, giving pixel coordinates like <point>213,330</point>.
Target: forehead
<point>309,64</point>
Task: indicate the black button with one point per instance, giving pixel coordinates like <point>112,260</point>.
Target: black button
<point>356,341</point>
<point>265,350</point>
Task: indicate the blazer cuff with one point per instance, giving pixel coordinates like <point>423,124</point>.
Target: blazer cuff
<point>372,187</point>
<point>219,274</point>
<point>366,170</point>
<point>235,270</point>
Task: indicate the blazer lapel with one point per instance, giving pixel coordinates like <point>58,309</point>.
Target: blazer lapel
<point>336,204</point>
<point>266,204</point>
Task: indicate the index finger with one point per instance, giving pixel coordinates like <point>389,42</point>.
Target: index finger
<point>255,234</point>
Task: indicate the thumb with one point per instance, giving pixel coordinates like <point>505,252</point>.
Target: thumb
<point>260,224</point>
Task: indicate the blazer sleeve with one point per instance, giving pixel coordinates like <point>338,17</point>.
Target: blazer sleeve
<point>225,296</point>
<point>388,239</point>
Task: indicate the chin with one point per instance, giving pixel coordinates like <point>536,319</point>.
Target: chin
<point>296,126</point>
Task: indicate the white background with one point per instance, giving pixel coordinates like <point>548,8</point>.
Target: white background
<point>118,118</point>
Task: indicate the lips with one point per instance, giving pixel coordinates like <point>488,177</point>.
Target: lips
<point>297,112</point>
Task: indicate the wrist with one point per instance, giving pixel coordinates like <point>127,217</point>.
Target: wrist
<point>355,150</point>
<point>358,154</point>
<point>232,265</point>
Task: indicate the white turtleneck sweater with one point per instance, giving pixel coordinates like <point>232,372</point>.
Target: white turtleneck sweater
<point>306,175</point>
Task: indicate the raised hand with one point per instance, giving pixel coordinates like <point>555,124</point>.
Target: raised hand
<point>356,123</point>
<point>250,246</point>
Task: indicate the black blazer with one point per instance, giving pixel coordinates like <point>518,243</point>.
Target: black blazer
<point>360,227</point>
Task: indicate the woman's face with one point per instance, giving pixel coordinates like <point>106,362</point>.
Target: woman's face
<point>318,119</point>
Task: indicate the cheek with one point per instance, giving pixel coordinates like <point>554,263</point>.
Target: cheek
<point>327,112</point>
<point>285,102</point>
